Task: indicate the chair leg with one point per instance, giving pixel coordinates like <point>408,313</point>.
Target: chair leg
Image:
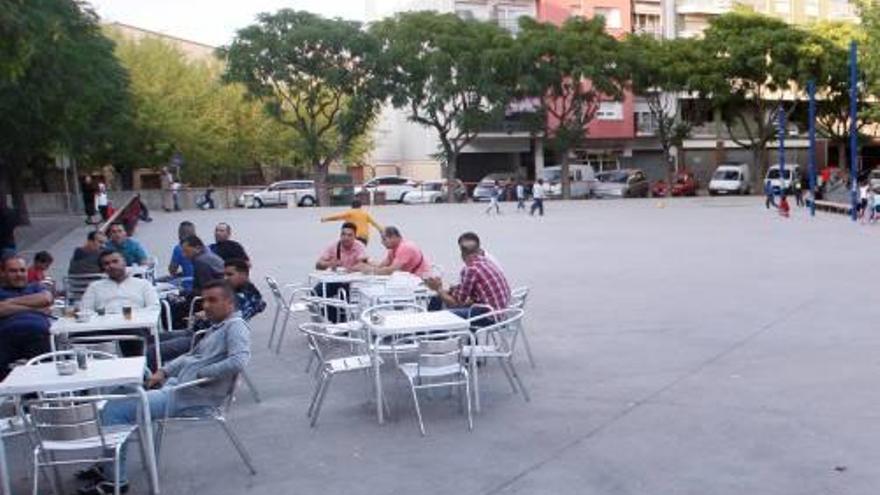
<point>282,331</point>
<point>475,377</point>
<point>470,416</point>
<point>36,483</point>
<point>251,386</point>
<point>415,396</point>
<point>522,333</point>
<point>507,374</point>
<point>237,444</point>
<point>116,466</point>
<point>318,387</point>
<point>519,382</point>
<point>317,411</point>
<point>311,360</point>
<point>160,435</point>
<point>274,324</point>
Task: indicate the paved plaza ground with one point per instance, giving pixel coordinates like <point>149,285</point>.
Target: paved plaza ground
<point>708,347</point>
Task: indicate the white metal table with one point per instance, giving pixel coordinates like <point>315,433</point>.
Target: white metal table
<point>402,324</point>
<point>110,323</point>
<point>44,378</point>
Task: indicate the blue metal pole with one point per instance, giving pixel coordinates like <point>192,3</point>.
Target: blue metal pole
<point>853,128</point>
<point>781,131</point>
<point>811,90</point>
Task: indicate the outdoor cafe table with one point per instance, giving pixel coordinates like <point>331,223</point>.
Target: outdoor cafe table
<point>110,323</point>
<point>403,324</point>
<point>101,373</point>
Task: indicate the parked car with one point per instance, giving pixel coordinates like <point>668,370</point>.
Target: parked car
<point>277,193</point>
<point>433,191</point>
<point>730,178</point>
<point>582,178</point>
<point>394,186</point>
<point>624,183</point>
<point>483,191</point>
<point>783,180</point>
<point>874,179</point>
<point>683,184</point>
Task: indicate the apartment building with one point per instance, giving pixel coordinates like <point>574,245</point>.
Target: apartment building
<point>692,16</point>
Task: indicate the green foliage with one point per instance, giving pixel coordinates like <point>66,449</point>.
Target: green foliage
<point>452,75</point>
<point>317,76</point>
<point>569,70</point>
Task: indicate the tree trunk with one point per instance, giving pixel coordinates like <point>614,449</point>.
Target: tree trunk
<point>323,190</point>
<point>565,179</point>
<point>670,171</point>
<point>19,204</point>
<point>759,156</point>
<point>451,170</point>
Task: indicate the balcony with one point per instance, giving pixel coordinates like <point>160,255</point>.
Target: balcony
<point>709,7</point>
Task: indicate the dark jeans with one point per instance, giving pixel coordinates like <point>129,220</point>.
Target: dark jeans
<point>436,304</point>
<point>538,204</point>
<point>334,315</point>
<point>21,344</point>
<point>769,201</point>
<point>171,345</point>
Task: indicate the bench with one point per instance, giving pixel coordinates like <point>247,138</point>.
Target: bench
<point>833,207</point>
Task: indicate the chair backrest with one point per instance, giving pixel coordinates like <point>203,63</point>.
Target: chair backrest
<point>275,289</point>
<point>324,343</point>
<point>440,355</point>
<point>66,421</point>
<point>518,297</point>
<point>398,307</point>
<point>53,356</point>
<point>75,285</point>
<point>503,324</point>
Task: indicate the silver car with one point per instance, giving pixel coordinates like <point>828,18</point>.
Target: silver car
<point>302,192</point>
<point>625,183</point>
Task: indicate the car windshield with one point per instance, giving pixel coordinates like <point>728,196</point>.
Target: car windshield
<point>552,175</point>
<point>618,177</point>
<point>726,175</point>
<point>774,174</point>
<point>433,186</point>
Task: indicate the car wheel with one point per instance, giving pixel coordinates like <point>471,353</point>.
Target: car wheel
<point>258,203</point>
<point>438,199</point>
<point>711,192</point>
<point>307,201</point>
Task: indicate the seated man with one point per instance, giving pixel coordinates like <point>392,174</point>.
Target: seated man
<point>24,315</point>
<point>348,253</point>
<point>219,356</point>
<point>225,247</point>
<point>132,251</point>
<point>37,271</point>
<point>180,267</point>
<point>85,258</point>
<point>207,266</point>
<point>402,256</point>
<point>119,289</point>
<point>482,283</point>
<point>248,300</point>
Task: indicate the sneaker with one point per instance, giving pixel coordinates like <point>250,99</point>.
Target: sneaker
<point>102,488</point>
<point>93,474</point>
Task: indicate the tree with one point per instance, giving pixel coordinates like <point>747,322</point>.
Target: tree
<point>570,70</point>
<point>61,90</point>
<point>318,76</point>
<point>829,45</point>
<point>752,67</point>
<point>452,75</point>
<point>657,70</point>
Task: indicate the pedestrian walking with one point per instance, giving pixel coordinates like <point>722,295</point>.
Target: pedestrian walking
<point>784,209</point>
<point>175,195</point>
<point>863,199</point>
<point>206,202</point>
<point>494,198</point>
<point>88,191</point>
<point>768,195</point>
<point>103,201</point>
<point>520,196</point>
<point>538,194</point>
<point>799,192</point>
<point>167,179</point>
<point>871,207</point>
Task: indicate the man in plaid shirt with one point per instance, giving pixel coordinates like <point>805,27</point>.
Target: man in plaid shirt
<point>482,283</point>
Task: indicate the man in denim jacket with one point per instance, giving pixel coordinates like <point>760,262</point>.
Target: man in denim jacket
<point>219,356</point>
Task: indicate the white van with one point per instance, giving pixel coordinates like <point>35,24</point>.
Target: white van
<point>785,181</point>
<point>730,178</point>
<point>582,178</point>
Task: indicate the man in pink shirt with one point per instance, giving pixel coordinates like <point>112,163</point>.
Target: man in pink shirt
<point>347,252</point>
<point>403,256</point>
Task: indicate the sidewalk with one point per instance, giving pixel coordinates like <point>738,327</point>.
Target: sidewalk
<point>45,231</point>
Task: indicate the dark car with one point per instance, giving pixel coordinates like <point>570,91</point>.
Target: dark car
<point>684,184</point>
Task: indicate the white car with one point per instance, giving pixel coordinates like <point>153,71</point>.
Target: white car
<point>779,180</point>
<point>433,191</point>
<point>302,192</point>
<point>730,178</point>
<point>394,187</point>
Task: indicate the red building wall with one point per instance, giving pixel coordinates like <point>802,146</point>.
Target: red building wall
<point>557,11</point>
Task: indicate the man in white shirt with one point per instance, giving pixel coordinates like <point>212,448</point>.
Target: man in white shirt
<point>538,194</point>
<point>118,290</point>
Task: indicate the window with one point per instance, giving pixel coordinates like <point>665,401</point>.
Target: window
<point>574,10</point>
<point>811,8</point>
<point>611,15</point>
<point>610,110</point>
<point>782,6</point>
<point>646,123</point>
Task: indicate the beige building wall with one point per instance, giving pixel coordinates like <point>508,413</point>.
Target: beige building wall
<point>191,49</point>
<point>693,15</point>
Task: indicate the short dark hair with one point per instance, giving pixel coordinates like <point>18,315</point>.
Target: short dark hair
<point>239,265</point>
<point>105,253</point>
<point>91,236</point>
<point>391,231</point>
<point>356,203</point>
<point>225,225</point>
<point>222,285</point>
<point>349,225</point>
<point>469,237</point>
<point>114,224</point>
<point>193,241</point>
<point>43,257</point>
<point>469,248</point>
<point>12,256</point>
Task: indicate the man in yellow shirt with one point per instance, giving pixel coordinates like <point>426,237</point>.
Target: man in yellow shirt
<point>360,218</point>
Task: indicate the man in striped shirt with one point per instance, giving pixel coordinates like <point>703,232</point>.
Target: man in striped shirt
<point>483,284</point>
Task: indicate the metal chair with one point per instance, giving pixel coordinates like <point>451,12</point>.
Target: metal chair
<point>518,299</point>
<point>208,413</point>
<point>287,305</point>
<point>497,343</point>
<point>67,354</point>
<point>75,286</point>
<point>325,347</point>
<point>71,424</point>
<point>439,359</point>
<point>197,336</point>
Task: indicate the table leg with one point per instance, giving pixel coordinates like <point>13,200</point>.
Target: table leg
<point>148,440</point>
<point>4,470</point>
<point>380,413</point>
<point>155,332</point>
